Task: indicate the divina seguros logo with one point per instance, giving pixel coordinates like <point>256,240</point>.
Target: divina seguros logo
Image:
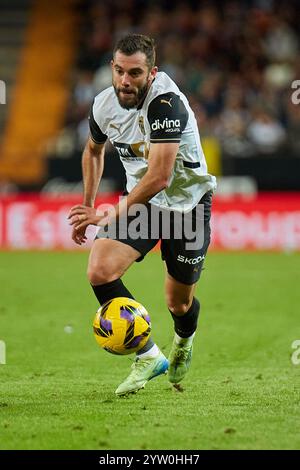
<point>2,92</point>
<point>165,124</point>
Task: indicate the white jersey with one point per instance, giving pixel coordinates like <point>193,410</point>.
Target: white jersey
<point>163,116</point>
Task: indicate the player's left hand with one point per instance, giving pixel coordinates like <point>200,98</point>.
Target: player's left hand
<point>81,216</point>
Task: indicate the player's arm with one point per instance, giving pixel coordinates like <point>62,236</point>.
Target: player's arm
<point>160,165</point>
<point>161,162</point>
<point>167,117</point>
<point>92,169</point>
<point>93,161</point>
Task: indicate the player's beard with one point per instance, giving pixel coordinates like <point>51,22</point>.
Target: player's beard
<point>133,96</point>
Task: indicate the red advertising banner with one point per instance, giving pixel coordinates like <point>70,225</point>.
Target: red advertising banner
<point>268,221</point>
<point>37,221</point>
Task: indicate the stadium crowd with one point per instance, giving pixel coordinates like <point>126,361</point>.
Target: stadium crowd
<point>235,60</point>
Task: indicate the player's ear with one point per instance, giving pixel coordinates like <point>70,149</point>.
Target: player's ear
<point>153,72</point>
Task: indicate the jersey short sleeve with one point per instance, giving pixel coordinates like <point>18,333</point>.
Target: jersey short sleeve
<point>97,135</point>
<point>167,117</point>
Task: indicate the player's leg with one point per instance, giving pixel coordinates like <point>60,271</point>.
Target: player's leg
<point>184,266</point>
<point>109,260</point>
<point>184,308</point>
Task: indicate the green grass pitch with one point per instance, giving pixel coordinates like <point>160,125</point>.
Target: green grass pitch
<point>57,388</point>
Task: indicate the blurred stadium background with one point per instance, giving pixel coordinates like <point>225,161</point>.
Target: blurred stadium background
<point>237,61</point>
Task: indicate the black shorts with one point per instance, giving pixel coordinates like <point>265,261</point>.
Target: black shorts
<point>183,256</point>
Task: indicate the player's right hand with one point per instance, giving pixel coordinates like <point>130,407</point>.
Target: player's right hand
<point>78,235</point>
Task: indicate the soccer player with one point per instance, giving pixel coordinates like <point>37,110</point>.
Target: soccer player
<point>150,123</point>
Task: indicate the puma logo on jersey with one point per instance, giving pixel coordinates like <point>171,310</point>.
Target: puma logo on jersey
<point>165,124</point>
<point>167,102</point>
<point>114,126</point>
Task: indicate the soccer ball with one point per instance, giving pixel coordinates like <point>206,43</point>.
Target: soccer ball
<point>122,326</point>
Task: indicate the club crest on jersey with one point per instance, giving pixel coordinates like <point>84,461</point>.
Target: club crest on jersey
<point>166,124</point>
<point>141,125</point>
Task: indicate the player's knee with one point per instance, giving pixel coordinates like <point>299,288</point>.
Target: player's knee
<point>178,306</point>
<point>99,274</point>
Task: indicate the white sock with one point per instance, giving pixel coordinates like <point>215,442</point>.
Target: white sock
<point>153,352</point>
<point>184,341</point>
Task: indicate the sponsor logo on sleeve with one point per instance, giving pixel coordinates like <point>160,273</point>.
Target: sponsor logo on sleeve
<point>167,125</point>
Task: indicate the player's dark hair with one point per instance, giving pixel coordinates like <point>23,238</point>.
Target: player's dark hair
<point>133,43</point>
